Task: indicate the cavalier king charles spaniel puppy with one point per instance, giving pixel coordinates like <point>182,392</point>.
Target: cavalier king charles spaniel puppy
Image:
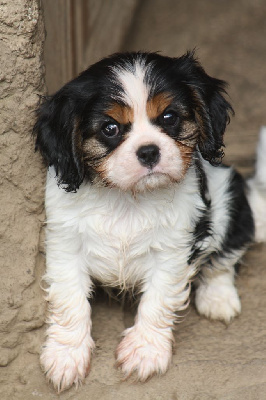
<point>136,198</point>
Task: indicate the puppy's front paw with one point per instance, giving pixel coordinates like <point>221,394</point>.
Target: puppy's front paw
<point>64,364</point>
<point>146,353</point>
<point>218,302</point>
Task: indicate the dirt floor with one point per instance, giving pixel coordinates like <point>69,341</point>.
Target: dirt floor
<point>211,360</point>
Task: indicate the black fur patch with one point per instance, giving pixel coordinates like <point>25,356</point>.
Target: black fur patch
<point>203,227</point>
<point>203,184</point>
<point>241,229</point>
<point>202,231</point>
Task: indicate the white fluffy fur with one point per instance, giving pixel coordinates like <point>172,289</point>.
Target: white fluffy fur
<point>216,296</point>
<point>135,91</point>
<point>124,241</point>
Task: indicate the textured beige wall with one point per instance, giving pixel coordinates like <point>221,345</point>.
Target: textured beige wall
<point>22,178</point>
<point>21,174</point>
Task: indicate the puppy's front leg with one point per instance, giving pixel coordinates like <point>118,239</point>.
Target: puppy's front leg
<point>65,356</point>
<point>147,346</point>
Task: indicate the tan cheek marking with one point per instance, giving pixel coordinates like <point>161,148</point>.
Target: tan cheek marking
<point>158,104</point>
<point>186,153</point>
<point>93,149</point>
<point>187,143</point>
<point>95,157</point>
<point>121,114</point>
<point>101,170</point>
<point>189,134</point>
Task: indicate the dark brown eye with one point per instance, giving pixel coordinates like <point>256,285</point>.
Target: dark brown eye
<point>169,118</point>
<point>110,129</point>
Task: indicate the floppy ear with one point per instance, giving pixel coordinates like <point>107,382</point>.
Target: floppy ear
<point>212,110</point>
<point>59,140</point>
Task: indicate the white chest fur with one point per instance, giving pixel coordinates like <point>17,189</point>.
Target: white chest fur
<point>120,237</point>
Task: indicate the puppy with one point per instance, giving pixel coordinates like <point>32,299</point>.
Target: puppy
<point>136,198</point>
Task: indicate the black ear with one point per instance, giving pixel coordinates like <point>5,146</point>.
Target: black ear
<point>212,110</point>
<point>59,140</point>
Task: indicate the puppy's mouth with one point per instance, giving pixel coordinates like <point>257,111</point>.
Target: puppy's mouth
<point>152,180</point>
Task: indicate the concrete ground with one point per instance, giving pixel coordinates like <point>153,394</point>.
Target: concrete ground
<point>211,360</point>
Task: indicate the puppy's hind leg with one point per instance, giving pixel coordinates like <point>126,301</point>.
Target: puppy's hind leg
<point>216,295</point>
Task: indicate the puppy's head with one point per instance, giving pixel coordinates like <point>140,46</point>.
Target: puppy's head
<point>133,121</point>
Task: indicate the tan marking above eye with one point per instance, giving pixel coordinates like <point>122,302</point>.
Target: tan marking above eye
<point>120,113</point>
<point>157,104</point>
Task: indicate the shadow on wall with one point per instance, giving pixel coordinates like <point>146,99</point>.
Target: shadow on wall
<point>80,32</point>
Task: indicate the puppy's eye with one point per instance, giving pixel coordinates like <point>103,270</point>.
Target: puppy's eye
<point>110,129</point>
<point>169,118</point>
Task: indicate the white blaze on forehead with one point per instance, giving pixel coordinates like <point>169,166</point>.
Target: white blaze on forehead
<point>135,91</point>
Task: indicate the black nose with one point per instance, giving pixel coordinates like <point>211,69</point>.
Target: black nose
<point>148,155</point>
